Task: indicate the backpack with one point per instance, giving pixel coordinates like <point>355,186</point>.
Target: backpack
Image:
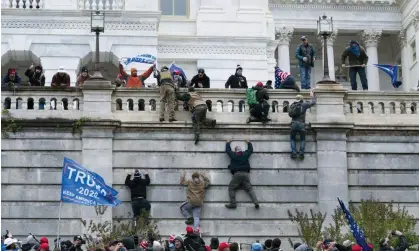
<point>295,110</point>
<point>251,96</point>
<point>194,245</point>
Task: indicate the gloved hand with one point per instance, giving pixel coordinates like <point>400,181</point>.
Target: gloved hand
<point>305,59</point>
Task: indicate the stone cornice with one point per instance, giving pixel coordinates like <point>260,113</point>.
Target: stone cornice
<point>72,24</point>
<point>36,13</point>
<point>210,49</point>
<point>346,7</point>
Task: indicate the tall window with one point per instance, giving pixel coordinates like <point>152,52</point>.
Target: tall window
<point>414,56</point>
<point>174,7</point>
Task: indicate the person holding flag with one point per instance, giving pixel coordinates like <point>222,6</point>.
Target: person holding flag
<point>358,59</point>
<point>284,80</point>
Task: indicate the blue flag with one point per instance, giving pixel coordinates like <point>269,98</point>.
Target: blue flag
<point>392,71</point>
<point>173,68</point>
<point>355,229</point>
<point>81,186</point>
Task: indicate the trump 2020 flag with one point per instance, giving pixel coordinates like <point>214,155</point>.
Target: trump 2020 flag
<point>81,186</point>
<point>392,71</point>
<point>355,229</point>
<point>173,68</point>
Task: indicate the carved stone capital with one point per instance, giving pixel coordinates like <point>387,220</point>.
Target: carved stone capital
<point>402,38</point>
<point>330,40</point>
<point>415,20</point>
<point>371,38</point>
<point>284,35</point>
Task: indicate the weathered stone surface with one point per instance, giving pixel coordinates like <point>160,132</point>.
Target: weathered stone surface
<point>41,144</point>
<point>37,158</point>
<point>383,147</point>
<point>380,161</point>
<point>379,178</point>
<point>400,194</point>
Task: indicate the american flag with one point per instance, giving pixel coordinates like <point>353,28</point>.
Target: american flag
<point>280,76</point>
<point>355,229</point>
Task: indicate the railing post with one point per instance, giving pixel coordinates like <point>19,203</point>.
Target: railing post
<point>97,98</point>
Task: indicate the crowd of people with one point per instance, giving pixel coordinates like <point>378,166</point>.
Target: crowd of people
<point>189,241</point>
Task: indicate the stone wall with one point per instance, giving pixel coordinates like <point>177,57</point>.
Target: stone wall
<point>354,150</point>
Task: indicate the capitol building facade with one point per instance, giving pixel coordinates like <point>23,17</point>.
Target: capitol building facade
<point>216,35</point>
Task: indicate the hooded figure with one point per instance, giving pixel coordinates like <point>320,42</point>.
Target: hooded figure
<point>284,80</point>
<point>138,188</point>
<point>201,80</point>
<point>134,80</point>
<point>199,109</point>
<point>385,243</point>
<point>240,168</point>
<point>268,85</point>
<point>195,197</point>
<point>178,244</point>
<point>237,80</point>
<point>214,243</point>
<point>358,59</point>
<point>260,111</point>
<point>36,77</point>
<point>192,241</point>
<point>61,78</point>
<point>84,75</point>
<point>11,79</point>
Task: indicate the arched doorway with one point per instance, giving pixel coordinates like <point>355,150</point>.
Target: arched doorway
<point>109,65</point>
<point>19,60</point>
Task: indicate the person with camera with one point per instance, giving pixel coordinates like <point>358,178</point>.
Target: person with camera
<point>385,243</point>
<point>138,188</point>
<point>77,243</point>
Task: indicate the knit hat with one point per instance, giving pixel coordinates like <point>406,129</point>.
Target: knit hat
<point>296,245</point>
<point>133,69</point>
<point>347,243</point>
<point>200,70</point>
<point>9,241</point>
<point>179,238</point>
<point>61,69</point>
<point>128,242</point>
<point>259,84</point>
<point>44,246</point>
<point>44,240</point>
<point>214,243</point>
<point>207,248</point>
<point>238,68</point>
<point>299,97</point>
<point>269,82</point>
<point>137,174</point>
<point>303,38</point>
<point>189,230</point>
<point>84,69</point>
<point>12,71</point>
<point>223,245</point>
<point>144,245</point>
<point>257,247</point>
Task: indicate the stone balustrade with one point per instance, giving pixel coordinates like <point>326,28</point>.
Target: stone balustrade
<point>101,4</point>
<point>22,4</point>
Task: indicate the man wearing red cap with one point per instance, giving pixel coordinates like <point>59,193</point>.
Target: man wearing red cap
<point>193,242</point>
<point>260,110</point>
<point>11,79</point>
<point>224,246</point>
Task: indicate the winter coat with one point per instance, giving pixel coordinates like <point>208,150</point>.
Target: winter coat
<point>80,79</point>
<point>205,81</point>
<point>304,107</point>
<point>138,186</point>
<point>353,59</point>
<point>261,94</point>
<point>135,82</point>
<point>239,161</point>
<point>196,192</point>
<point>6,80</point>
<point>236,81</point>
<point>35,79</point>
<point>305,51</point>
<point>191,240</point>
<point>57,80</point>
<point>403,245</point>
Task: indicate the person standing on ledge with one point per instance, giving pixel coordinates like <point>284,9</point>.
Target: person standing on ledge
<point>237,80</point>
<point>358,59</point>
<point>297,112</point>
<point>195,197</point>
<point>240,168</point>
<point>138,188</point>
<point>306,55</point>
<point>199,108</point>
<point>133,80</point>
<point>166,84</point>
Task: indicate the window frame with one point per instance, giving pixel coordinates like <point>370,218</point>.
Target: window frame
<point>413,46</point>
<point>173,16</point>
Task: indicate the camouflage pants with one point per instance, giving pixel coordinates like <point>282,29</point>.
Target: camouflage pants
<point>199,116</point>
<point>167,95</point>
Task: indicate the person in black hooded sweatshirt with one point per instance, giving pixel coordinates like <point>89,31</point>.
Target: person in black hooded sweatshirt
<point>193,242</point>
<point>138,188</point>
<point>36,77</point>
<point>237,80</point>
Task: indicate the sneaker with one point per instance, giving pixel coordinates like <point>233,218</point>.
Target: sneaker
<point>196,139</point>
<point>257,205</point>
<point>189,221</point>
<point>293,155</point>
<point>230,206</point>
<point>171,120</point>
<point>301,156</point>
<point>161,119</point>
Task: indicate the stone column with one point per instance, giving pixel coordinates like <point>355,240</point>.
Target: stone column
<point>284,36</point>
<point>330,53</point>
<point>415,80</point>
<point>371,39</point>
<point>331,127</point>
<point>405,60</point>
<point>270,54</point>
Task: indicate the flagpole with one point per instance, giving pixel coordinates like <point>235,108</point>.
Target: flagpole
<point>59,224</point>
<point>349,66</point>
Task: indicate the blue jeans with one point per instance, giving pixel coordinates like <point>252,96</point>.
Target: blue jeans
<point>298,127</point>
<point>305,75</point>
<point>352,75</point>
<point>186,208</point>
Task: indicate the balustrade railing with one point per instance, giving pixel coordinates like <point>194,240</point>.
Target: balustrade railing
<point>42,98</point>
<point>101,4</point>
<point>21,4</point>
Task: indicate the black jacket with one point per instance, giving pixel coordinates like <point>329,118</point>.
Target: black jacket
<point>35,79</point>
<point>235,81</point>
<point>205,81</point>
<point>193,240</point>
<point>403,245</point>
<point>261,94</point>
<point>138,186</point>
<point>239,162</point>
